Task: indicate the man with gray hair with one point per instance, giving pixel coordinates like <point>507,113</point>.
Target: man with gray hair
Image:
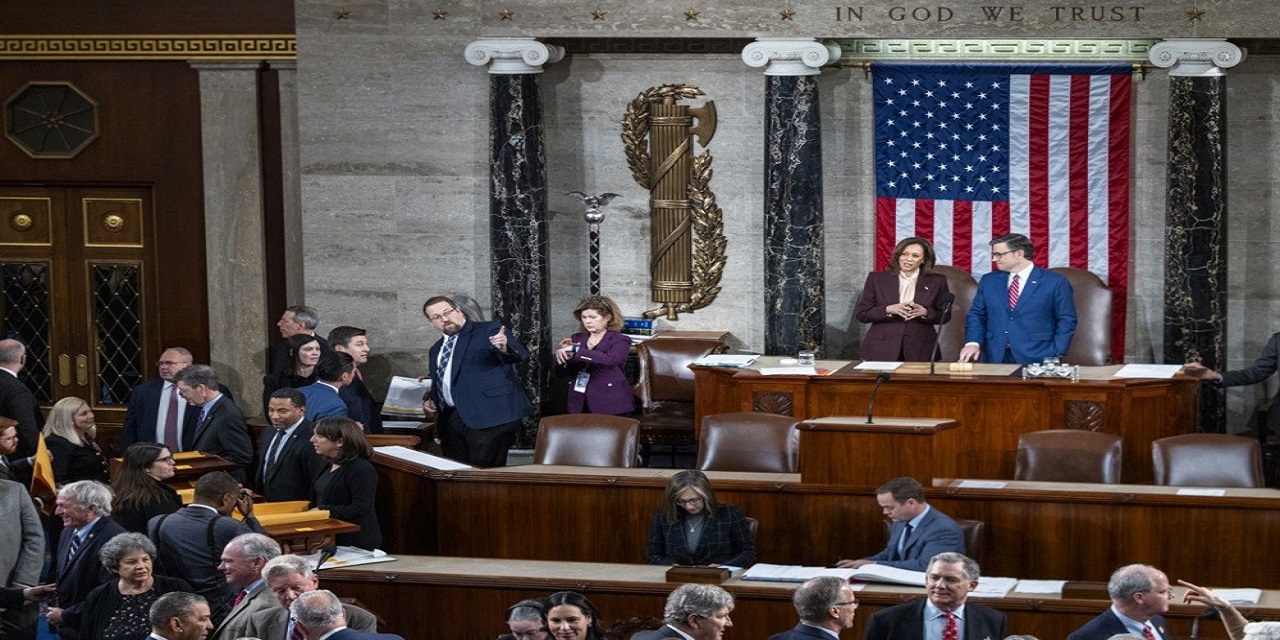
<point>698,611</point>
<point>289,576</point>
<point>180,616</point>
<point>242,562</point>
<point>218,425</point>
<point>295,320</point>
<point>85,509</point>
<point>945,612</point>
<point>1139,594</point>
<point>319,614</point>
<point>16,400</point>
<point>826,605</point>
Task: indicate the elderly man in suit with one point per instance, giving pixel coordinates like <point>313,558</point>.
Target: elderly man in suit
<point>287,462</point>
<point>16,400</point>
<point>156,412</point>
<point>948,581</point>
<point>180,616</point>
<point>826,605</point>
<point>289,576</point>
<point>319,614</point>
<point>475,388</point>
<point>361,406</point>
<point>698,611</point>
<point>85,509</point>
<point>218,427</point>
<point>919,531</point>
<point>242,562</point>
<point>1021,313</point>
<point>21,555</point>
<point>1139,595</point>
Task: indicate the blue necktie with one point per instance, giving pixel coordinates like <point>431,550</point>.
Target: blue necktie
<point>446,353</point>
<point>906,537</point>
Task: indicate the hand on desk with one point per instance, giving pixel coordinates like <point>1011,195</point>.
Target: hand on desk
<point>1197,370</point>
<point>970,353</point>
<point>853,564</point>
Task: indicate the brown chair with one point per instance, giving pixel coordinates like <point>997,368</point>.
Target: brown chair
<point>666,389</point>
<point>1091,345</point>
<point>587,440</point>
<point>1068,455</point>
<point>1207,460</point>
<point>974,531</point>
<point>749,441</point>
<point>962,284</point>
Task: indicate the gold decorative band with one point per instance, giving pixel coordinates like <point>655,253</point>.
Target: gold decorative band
<point>149,47</point>
<point>671,121</point>
<point>668,204</point>
<point>671,285</point>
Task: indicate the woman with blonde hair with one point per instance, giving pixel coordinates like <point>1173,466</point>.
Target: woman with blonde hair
<point>593,360</point>
<point>69,434</point>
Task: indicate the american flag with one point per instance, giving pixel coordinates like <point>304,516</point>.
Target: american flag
<point>968,152</point>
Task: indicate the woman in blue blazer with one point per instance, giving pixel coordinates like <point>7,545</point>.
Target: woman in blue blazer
<point>593,360</point>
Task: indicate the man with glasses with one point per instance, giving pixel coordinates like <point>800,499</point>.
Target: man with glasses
<point>698,611</point>
<point>945,614</point>
<point>826,605</point>
<point>214,424</point>
<point>156,411</point>
<point>1139,594</point>
<point>475,392</point>
<point>1021,313</point>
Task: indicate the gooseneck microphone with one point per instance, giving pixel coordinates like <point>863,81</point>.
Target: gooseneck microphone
<point>871,402</point>
<point>944,307</point>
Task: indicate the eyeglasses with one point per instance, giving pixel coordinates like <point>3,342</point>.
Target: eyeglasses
<point>1168,592</point>
<point>841,604</point>
<point>681,502</point>
<point>441,316</point>
<point>168,363</point>
<point>996,255</point>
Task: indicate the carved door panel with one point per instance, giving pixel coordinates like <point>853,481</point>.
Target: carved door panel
<point>76,277</point>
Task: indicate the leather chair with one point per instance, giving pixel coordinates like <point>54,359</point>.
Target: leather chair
<point>1091,345</point>
<point>974,536</point>
<point>1207,460</point>
<point>666,388</point>
<point>749,441</point>
<point>962,284</point>
<point>1068,455</point>
<point>588,440</point>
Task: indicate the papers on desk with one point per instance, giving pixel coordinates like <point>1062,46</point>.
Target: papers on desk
<point>871,365</point>
<point>404,396</point>
<point>1148,371</point>
<point>349,557</point>
<point>1050,587</point>
<point>738,360</point>
<point>1213,493</point>
<point>865,573</point>
<point>788,371</point>
<point>1240,596</point>
<point>983,484</point>
<point>989,587</point>
<point>419,457</point>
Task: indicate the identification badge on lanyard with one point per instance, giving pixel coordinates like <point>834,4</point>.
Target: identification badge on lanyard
<point>580,384</point>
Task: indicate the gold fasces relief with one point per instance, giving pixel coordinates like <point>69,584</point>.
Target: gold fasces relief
<point>687,242</point>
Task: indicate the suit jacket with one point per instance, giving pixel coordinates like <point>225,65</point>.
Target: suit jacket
<point>486,390</point>
<point>348,493</point>
<point>906,620</point>
<point>1040,327</point>
<point>236,624</point>
<point>189,545</point>
<point>293,475</point>
<point>935,534</point>
<point>144,412</point>
<point>1261,369</point>
<point>17,402</point>
<point>103,601</point>
<point>890,338</point>
<point>224,434</point>
<point>607,389</point>
<point>21,537</point>
<point>72,462</point>
<point>802,632</point>
<point>135,517</point>
<point>273,623</point>
<point>361,406</point>
<point>1106,624</point>
<point>352,634</point>
<point>323,401</point>
<point>657,634</point>
<point>82,574</point>
<point>726,539</point>
<point>286,379</point>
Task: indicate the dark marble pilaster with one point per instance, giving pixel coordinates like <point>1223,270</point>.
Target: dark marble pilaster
<point>794,290</point>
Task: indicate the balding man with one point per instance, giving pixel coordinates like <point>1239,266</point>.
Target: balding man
<point>242,562</point>
<point>697,611</point>
<point>180,616</point>
<point>319,614</point>
<point>826,605</point>
<point>16,400</point>
<point>288,577</point>
<point>1139,594</point>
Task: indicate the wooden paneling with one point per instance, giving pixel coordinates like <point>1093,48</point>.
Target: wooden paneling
<point>146,16</point>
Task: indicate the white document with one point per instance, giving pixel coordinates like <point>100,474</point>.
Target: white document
<point>983,484</point>
<point>404,395</point>
<point>727,360</point>
<point>1213,493</point>
<point>424,459</point>
<point>1051,587</point>
<point>788,371</point>
<point>791,573</point>
<point>349,557</point>
<point>872,365</point>
<point>989,587</point>
<point>1240,596</point>
<point>1148,371</point>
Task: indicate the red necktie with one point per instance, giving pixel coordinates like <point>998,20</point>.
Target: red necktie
<point>1146,633</point>
<point>951,631</point>
<point>296,633</point>
<point>171,421</point>
<point>239,598</point>
<point>1014,290</point>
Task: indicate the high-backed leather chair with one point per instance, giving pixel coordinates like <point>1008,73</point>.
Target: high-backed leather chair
<point>749,441</point>
<point>1207,460</point>
<point>1068,455</point>
<point>588,440</point>
<point>962,284</point>
<point>666,388</point>
<point>1091,345</point>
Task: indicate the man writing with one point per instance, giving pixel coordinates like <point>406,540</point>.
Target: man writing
<point>919,532</point>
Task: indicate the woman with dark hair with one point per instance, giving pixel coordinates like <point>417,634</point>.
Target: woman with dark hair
<point>902,305</point>
<point>691,527</point>
<point>348,486</point>
<point>139,487</point>
<point>304,353</point>
<point>70,434</point>
<point>571,616</point>
<point>118,609</point>
<point>527,620</point>
<point>594,358</point>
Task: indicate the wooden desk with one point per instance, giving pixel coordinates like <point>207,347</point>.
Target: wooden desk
<point>306,537</point>
<point>439,597</point>
<point>993,410</point>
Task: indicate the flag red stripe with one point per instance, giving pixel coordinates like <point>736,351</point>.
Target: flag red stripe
<point>1118,210</point>
<point>1078,176</point>
<point>962,235</point>
<point>886,229</point>
<point>924,218</point>
<point>1038,169</point>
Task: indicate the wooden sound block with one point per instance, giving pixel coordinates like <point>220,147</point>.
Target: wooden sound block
<point>961,366</point>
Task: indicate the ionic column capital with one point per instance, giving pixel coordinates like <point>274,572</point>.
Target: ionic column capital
<point>1196,57</point>
<point>509,56</point>
<point>790,56</point>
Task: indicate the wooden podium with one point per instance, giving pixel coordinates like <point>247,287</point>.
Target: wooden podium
<point>846,450</point>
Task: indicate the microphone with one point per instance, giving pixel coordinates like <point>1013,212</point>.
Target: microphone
<point>326,552</point>
<point>943,309</point>
<point>871,402</point>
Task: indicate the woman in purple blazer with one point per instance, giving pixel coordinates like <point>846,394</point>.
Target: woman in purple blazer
<point>593,358</point>
<point>901,304</point>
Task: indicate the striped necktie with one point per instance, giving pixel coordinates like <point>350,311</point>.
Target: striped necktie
<point>1014,291</point>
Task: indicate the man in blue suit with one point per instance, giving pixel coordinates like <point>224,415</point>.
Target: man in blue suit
<point>474,385</point>
<point>919,532</point>
<point>1139,594</point>
<point>319,613</point>
<point>1021,313</point>
<point>826,606</point>
<point>333,372</point>
<point>361,406</point>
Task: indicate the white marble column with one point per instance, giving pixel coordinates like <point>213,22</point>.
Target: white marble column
<point>291,201</point>
<point>234,245</point>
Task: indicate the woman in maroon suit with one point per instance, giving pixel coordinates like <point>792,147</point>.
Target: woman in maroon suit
<point>593,358</point>
<point>901,304</point>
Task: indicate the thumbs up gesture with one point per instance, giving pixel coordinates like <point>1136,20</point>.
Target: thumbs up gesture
<point>499,339</point>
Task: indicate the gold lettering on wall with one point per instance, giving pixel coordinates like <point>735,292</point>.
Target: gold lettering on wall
<point>999,13</point>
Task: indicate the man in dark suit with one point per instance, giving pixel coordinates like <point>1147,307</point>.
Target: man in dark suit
<point>474,386</point>
<point>12,467</point>
<point>296,319</point>
<point>361,406</point>
<point>85,509</point>
<point>16,400</point>
<point>319,613</point>
<point>1021,313</point>
<point>919,531</point>
<point>287,577</point>
<point>333,372</point>
<point>948,581</point>
<point>287,462</point>
<point>826,605</point>
<point>180,616</point>
<point>1261,369</point>
<point>152,403</point>
<point>1139,594</point>
<point>218,427</point>
<point>698,611</point>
